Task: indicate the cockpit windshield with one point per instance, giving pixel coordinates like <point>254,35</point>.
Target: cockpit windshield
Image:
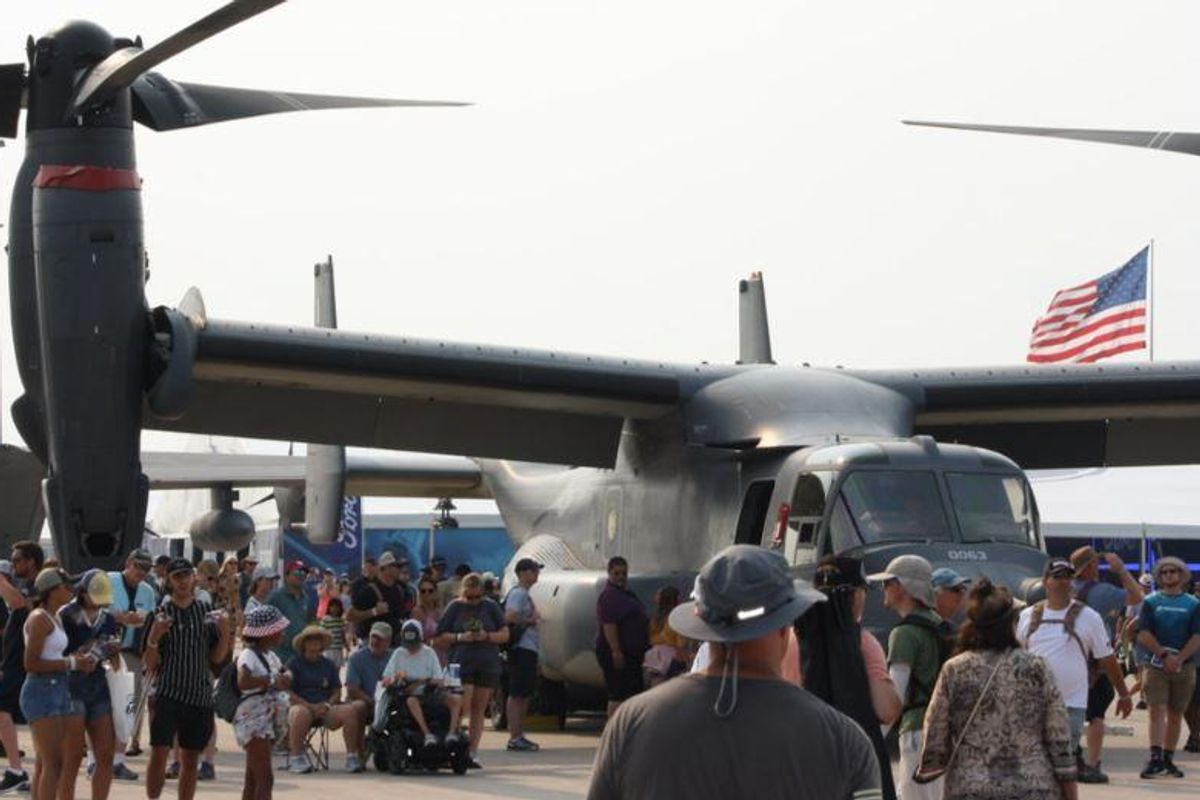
<point>888,505</point>
<point>992,508</point>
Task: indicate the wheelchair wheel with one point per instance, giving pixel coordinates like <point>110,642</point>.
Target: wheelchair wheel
<point>460,761</point>
<point>379,756</point>
<point>397,753</point>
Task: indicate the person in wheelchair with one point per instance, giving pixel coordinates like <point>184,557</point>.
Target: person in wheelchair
<point>415,670</point>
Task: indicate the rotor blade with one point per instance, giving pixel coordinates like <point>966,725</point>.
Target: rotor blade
<point>163,104</point>
<point>1155,140</point>
<point>12,89</point>
<point>124,66</point>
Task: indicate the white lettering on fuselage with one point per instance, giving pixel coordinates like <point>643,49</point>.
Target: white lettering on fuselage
<point>967,555</point>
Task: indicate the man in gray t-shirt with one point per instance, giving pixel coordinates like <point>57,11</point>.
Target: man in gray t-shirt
<point>739,729</point>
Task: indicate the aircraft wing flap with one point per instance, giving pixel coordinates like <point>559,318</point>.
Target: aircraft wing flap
<point>367,474</point>
<point>1061,416</point>
<point>339,387</point>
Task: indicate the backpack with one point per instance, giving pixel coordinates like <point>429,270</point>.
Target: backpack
<point>1068,622</point>
<point>943,635</point>
<point>226,694</point>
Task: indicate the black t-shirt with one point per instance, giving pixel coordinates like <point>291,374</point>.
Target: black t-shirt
<point>399,597</point>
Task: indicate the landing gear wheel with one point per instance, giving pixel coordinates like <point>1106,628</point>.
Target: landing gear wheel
<point>460,762</point>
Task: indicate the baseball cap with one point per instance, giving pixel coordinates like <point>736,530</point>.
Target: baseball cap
<point>96,585</point>
<point>179,565</point>
<point>49,578</point>
<point>264,571</point>
<point>528,563</point>
<point>382,630</point>
<point>836,571</point>
<point>742,593</point>
<point>1083,556</point>
<point>162,561</point>
<point>1058,568</point>
<point>410,633</point>
<point>915,575</point>
<point>437,561</point>
<point>294,566</point>
<point>142,558</point>
<point>946,578</point>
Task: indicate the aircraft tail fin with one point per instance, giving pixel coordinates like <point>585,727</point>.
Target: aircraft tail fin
<point>325,464</point>
<point>754,333</point>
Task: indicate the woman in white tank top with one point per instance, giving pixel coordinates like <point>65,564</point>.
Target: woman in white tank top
<point>55,719</point>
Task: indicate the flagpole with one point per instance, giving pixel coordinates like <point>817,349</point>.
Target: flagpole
<point>1150,296</point>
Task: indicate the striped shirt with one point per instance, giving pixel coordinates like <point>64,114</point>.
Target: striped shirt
<point>183,669</point>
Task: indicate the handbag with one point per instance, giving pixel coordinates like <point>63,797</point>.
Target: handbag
<point>124,700</point>
<point>933,775</point>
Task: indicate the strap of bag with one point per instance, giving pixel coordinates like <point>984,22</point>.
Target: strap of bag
<point>978,702</point>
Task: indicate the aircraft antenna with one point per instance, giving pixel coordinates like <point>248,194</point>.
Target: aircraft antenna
<point>754,333</point>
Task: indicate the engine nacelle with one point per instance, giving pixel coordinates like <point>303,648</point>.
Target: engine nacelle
<point>222,530</point>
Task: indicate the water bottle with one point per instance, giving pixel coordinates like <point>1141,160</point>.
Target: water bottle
<point>453,681</point>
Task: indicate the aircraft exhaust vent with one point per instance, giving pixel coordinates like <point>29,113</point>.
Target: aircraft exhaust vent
<point>544,549</point>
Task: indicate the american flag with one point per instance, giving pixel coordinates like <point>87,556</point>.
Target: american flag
<point>1098,319</point>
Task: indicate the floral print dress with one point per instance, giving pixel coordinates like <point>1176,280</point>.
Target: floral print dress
<point>1018,744</point>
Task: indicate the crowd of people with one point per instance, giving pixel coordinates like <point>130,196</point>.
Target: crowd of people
<point>988,697</point>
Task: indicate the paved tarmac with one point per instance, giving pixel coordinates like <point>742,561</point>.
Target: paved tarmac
<point>562,767</point>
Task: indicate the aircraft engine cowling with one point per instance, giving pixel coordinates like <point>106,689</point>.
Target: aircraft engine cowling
<point>222,530</point>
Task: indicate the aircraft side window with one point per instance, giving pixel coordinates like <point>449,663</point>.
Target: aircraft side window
<point>808,507</point>
<point>753,517</point>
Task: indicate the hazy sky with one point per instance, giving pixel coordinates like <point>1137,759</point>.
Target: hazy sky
<point>625,163</point>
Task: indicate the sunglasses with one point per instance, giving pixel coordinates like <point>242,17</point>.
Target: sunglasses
<point>1169,571</point>
<point>425,590</point>
<point>298,572</point>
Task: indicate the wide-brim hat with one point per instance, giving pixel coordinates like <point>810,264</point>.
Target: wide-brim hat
<point>1171,561</point>
<point>264,621</point>
<point>742,593</point>
<point>312,630</point>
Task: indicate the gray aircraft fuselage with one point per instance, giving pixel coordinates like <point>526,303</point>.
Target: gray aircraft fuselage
<point>668,506</point>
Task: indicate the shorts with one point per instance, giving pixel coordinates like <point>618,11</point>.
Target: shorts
<point>522,672</point>
<point>621,684</point>
<point>483,677</point>
<point>192,724</point>
<point>91,691</point>
<point>1100,697</point>
<point>48,695</point>
<point>1172,691</point>
<point>10,697</point>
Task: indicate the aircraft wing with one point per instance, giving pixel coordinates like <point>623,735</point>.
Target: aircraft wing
<point>339,387</point>
<point>1061,416</point>
<point>367,474</point>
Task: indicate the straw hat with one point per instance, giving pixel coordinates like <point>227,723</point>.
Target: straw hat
<point>312,630</point>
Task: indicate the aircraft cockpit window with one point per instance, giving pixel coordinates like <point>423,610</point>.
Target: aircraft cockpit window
<point>895,506</point>
<point>992,508</point>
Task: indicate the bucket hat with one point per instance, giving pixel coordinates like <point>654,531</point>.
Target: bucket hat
<point>308,633</point>
<point>742,593</point>
<point>1171,561</point>
<point>263,621</point>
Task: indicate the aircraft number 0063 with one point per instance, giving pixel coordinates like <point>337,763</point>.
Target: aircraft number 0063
<point>967,555</point>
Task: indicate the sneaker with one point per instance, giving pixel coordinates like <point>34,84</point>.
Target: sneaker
<point>1154,769</point>
<point>91,770</point>
<point>1141,705</point>
<point>14,782</point>
<point>134,750</point>
<point>522,745</point>
<point>1193,745</point>
<point>173,771</point>
<point>298,765</point>
<point>430,740</point>
<point>354,764</point>
<point>1089,774</point>
<point>124,773</point>
<point>453,737</point>
<point>473,762</point>
<point>207,772</point>
<point>1170,768</point>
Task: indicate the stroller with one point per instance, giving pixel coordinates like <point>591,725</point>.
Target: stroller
<point>400,745</point>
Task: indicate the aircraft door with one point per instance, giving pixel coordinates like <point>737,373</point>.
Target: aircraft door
<point>799,523</point>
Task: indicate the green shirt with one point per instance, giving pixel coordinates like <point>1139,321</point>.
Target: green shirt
<point>296,610</point>
<point>917,647</point>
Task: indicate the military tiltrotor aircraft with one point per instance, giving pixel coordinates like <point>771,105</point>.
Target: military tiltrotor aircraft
<point>587,457</point>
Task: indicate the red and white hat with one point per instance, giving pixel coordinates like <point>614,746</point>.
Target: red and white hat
<point>264,621</point>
